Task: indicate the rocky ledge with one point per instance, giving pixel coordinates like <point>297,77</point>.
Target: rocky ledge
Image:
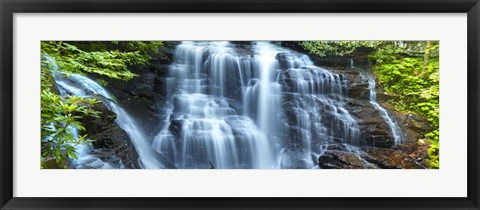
<point>111,143</point>
<point>341,156</point>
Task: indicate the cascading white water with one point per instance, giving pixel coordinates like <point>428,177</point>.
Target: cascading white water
<point>204,127</point>
<point>396,131</point>
<point>84,159</point>
<point>74,84</point>
<point>243,108</point>
<point>253,105</point>
<point>316,104</point>
<point>124,120</point>
<point>270,92</point>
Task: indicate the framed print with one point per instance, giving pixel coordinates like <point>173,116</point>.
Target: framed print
<point>239,105</point>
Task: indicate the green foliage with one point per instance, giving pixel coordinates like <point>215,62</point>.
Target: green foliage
<point>59,116</point>
<point>109,63</point>
<point>336,48</point>
<point>408,70</point>
<point>145,49</point>
<point>108,59</point>
<point>63,114</point>
<point>433,150</point>
<point>413,78</point>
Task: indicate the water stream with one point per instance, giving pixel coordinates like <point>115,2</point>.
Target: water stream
<point>396,131</point>
<point>231,106</point>
<point>78,85</point>
<point>260,106</point>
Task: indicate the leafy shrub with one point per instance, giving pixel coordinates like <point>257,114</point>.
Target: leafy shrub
<point>61,115</point>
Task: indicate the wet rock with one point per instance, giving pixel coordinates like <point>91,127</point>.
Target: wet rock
<point>332,61</point>
<point>160,86</point>
<point>390,159</point>
<point>160,70</point>
<point>419,152</point>
<point>143,95</point>
<point>282,60</point>
<point>176,127</point>
<point>359,91</point>
<point>413,126</point>
<point>385,97</point>
<point>341,156</point>
<point>343,147</point>
<point>358,104</point>
<point>373,127</point>
<point>334,159</point>
<point>415,123</point>
<point>359,57</point>
<point>112,144</point>
<point>297,135</point>
<point>142,85</point>
<point>352,75</point>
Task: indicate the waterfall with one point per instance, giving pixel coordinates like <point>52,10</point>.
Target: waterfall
<point>315,100</point>
<point>269,95</point>
<point>78,85</point>
<point>239,106</point>
<point>205,127</point>
<point>396,131</point>
<point>251,106</point>
<point>124,120</point>
<point>351,64</point>
<point>84,158</point>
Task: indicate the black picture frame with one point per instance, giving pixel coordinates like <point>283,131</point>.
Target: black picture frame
<point>10,7</point>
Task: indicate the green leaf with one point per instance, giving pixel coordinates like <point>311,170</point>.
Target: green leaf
<point>72,155</point>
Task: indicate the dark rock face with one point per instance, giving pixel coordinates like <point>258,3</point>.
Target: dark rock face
<point>144,96</point>
<point>414,126</point>
<point>359,91</point>
<point>283,59</point>
<point>341,156</point>
<point>359,58</point>
<point>111,143</point>
<point>176,127</point>
<point>382,152</point>
<point>388,158</point>
<point>142,86</point>
<point>374,128</point>
<point>415,151</point>
<point>334,159</point>
<point>376,131</point>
